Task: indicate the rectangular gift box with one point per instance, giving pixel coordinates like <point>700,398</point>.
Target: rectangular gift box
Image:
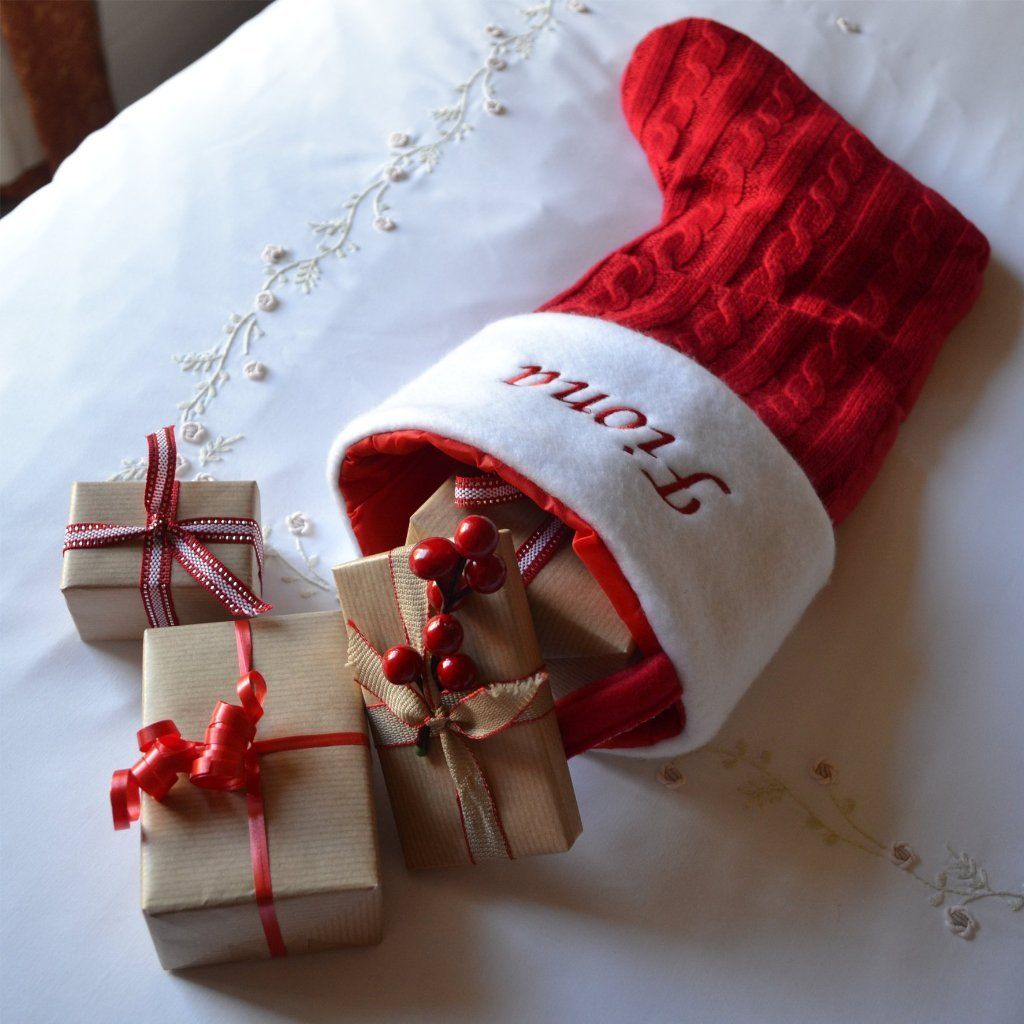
<point>580,634</point>
<point>197,873</point>
<point>101,585</point>
<point>524,766</point>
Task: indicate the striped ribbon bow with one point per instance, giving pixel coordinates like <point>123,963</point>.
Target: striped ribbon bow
<point>166,539</point>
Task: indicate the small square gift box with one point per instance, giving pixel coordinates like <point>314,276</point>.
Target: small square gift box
<point>258,832</point>
<point>581,636</point>
<point>459,704</point>
<point>161,553</point>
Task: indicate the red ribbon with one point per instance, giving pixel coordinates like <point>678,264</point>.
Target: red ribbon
<point>165,539</point>
<point>226,759</point>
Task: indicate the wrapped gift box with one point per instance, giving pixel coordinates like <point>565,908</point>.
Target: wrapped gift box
<point>101,585</point>
<point>523,764</point>
<point>580,634</point>
<point>197,870</point>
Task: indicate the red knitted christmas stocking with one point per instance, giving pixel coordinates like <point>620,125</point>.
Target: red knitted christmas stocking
<point>805,269</point>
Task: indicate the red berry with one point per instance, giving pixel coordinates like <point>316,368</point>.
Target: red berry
<point>476,537</point>
<point>433,558</point>
<point>486,575</point>
<point>435,599</point>
<point>402,665</point>
<point>456,672</point>
<point>442,634</point>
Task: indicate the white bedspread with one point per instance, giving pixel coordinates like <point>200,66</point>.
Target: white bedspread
<point>750,892</point>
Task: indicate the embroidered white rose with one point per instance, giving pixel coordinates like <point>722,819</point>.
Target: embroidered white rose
<point>193,432</point>
<point>671,777</point>
<point>273,253</point>
<point>266,302</point>
<point>902,855</point>
<point>298,523</point>
<point>960,922</point>
<point>254,370</point>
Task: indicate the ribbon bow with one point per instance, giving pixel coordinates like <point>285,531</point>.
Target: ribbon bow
<point>165,538</point>
<point>457,719</point>
<point>226,759</point>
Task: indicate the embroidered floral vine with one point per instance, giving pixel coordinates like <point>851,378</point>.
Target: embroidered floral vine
<point>306,575</point>
<point>961,881</point>
<point>334,238</point>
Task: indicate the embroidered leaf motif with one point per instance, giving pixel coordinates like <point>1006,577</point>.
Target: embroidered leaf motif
<point>214,451</point>
<point>199,362</point>
<point>307,275</point>
<point>131,470</point>
<point>444,116</point>
<point>205,392</point>
<point>761,792</point>
<point>524,46</point>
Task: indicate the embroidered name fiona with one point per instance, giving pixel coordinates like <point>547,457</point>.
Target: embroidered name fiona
<point>667,483</point>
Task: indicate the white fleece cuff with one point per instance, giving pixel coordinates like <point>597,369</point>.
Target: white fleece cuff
<point>711,521</point>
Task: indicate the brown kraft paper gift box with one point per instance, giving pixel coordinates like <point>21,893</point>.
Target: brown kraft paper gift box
<point>101,585</point>
<point>197,873</point>
<point>580,634</point>
<point>524,766</point>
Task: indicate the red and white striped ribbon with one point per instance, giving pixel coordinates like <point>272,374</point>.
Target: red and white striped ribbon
<point>483,490</point>
<point>537,550</point>
<point>165,540</point>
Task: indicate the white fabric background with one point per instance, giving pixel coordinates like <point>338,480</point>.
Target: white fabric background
<point>674,905</point>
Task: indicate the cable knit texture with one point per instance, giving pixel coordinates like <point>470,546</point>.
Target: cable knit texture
<point>805,269</point>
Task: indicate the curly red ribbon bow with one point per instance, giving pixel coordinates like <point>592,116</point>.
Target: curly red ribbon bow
<point>226,759</point>
<point>165,538</point>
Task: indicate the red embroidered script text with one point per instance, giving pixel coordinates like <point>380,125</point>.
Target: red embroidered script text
<point>578,395</point>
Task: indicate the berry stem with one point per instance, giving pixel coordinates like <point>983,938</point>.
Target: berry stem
<point>449,590</point>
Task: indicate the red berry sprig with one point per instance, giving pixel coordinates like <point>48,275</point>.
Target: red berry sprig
<point>452,570</point>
